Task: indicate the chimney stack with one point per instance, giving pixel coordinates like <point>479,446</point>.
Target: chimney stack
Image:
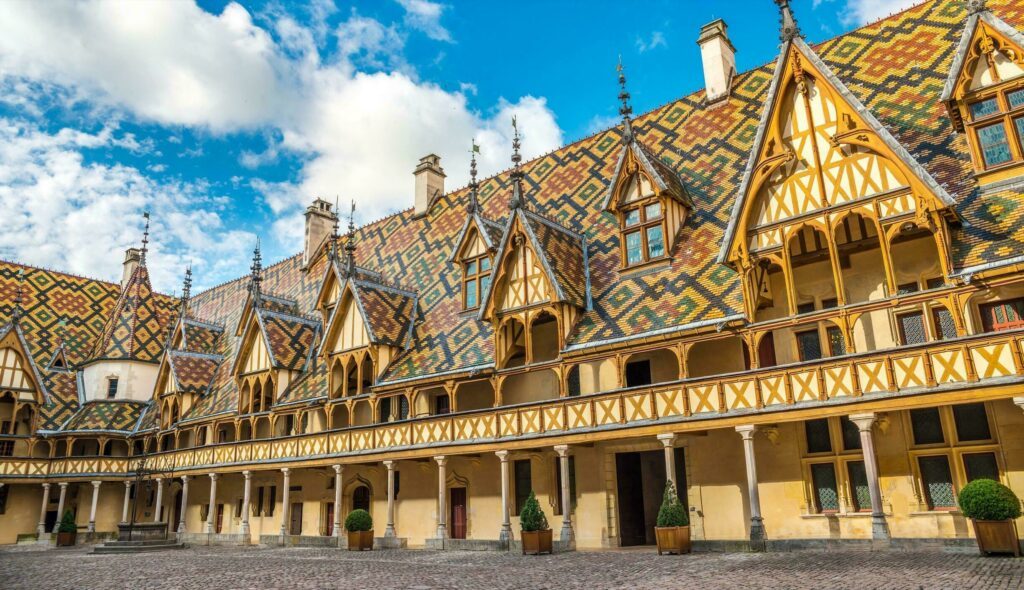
<point>429,183</point>
<point>320,219</point>
<point>132,257</point>
<point>719,59</point>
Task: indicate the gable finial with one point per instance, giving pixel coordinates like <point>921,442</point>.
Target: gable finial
<point>473,186</point>
<point>256,271</point>
<point>788,29</point>
<point>625,110</point>
<point>517,170</point>
<point>332,250</point>
<point>350,243</point>
<point>975,6</point>
<point>186,290</point>
<point>17,312</point>
<point>145,241</point>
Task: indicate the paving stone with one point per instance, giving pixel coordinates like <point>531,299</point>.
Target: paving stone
<point>220,568</point>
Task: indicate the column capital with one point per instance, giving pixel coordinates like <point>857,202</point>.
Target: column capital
<point>286,470</point>
<point>46,485</point>
<point>503,455</point>
<point>562,450</point>
<point>441,460</point>
<point>96,484</point>
<point>864,421</point>
<point>1019,401</point>
<point>247,475</point>
<point>668,439</point>
<point>389,464</point>
<point>185,478</point>
<point>63,485</point>
<point>337,468</point>
<point>213,476</point>
<point>128,485</point>
<point>747,431</point>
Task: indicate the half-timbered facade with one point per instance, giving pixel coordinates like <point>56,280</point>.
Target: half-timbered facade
<point>798,294</point>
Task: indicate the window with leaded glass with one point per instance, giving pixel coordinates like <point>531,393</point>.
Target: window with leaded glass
<point>945,327</point>
<point>643,232</point>
<point>981,466</point>
<point>995,148</point>
<point>476,276</point>
<point>971,422</point>
<point>1002,315</point>
<point>826,491</point>
<point>997,125</point>
<point>818,438</point>
<point>836,342</point>
<point>911,327</point>
<point>927,426</point>
<point>808,345</point>
<point>937,482</point>
<point>851,434</point>
<point>859,493</point>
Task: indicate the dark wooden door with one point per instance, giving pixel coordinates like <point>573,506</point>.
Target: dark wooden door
<point>457,519</point>
<point>330,519</point>
<point>220,517</point>
<point>630,499</point>
<point>295,526</point>
<point>766,351</point>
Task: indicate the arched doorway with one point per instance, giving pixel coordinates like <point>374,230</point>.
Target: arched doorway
<point>361,498</point>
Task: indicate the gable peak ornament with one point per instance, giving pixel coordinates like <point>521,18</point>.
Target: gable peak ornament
<point>788,29</point>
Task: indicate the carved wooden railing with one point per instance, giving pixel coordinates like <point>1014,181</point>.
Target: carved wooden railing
<point>964,362</point>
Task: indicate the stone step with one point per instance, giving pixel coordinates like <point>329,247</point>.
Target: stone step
<point>108,550</point>
<point>139,543</point>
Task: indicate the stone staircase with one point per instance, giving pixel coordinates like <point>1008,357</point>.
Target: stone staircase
<point>118,547</point>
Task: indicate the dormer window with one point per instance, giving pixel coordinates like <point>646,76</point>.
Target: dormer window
<point>996,127</point>
<point>476,277</point>
<point>643,232</point>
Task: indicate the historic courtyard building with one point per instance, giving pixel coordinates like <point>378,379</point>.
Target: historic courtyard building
<point>798,293</point>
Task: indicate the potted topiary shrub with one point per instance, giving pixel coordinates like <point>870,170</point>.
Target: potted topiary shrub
<point>359,525</point>
<point>991,506</point>
<point>67,530</point>
<point>673,528</point>
<point>536,532</point>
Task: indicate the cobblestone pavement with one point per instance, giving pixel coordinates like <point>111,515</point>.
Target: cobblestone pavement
<point>231,568</point>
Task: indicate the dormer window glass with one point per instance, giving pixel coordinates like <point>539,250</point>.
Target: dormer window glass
<point>643,231</point>
<point>476,278</point>
<point>997,126</point>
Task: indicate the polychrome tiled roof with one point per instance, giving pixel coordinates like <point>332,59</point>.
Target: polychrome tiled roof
<point>200,336</point>
<point>137,328</point>
<point>193,372</point>
<point>289,338</point>
<point>106,415</point>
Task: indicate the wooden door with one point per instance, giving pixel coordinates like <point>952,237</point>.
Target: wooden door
<point>330,519</point>
<point>457,518</point>
<point>220,517</point>
<point>766,351</point>
<point>295,526</point>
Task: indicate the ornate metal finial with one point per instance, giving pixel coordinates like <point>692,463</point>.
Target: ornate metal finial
<point>350,243</point>
<point>788,29</point>
<point>332,250</point>
<point>473,186</point>
<point>17,312</point>
<point>256,271</point>
<point>186,289</point>
<point>975,6</point>
<point>517,170</point>
<point>625,110</point>
<point>145,241</point>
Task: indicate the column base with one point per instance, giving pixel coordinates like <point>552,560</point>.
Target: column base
<point>506,534</point>
<point>389,532</point>
<point>567,536</point>
<point>757,534</point>
<point>879,528</point>
<point>442,532</point>
<point>91,528</point>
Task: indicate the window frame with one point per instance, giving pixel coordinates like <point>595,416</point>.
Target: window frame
<point>839,457</point>
<point>642,227</point>
<point>476,276</point>
<point>1005,116</point>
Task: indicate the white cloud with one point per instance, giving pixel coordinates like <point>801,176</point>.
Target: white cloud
<point>860,12</point>
<point>359,120</point>
<point>425,16</point>
<point>62,212</point>
<point>656,39</point>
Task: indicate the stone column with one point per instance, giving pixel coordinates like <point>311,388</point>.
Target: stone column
<point>756,522</point>
<point>60,504</point>
<point>92,509</point>
<point>284,500</point>
<point>563,467</point>
<point>1019,401</point>
<point>337,499</point>
<point>127,501</point>
<point>390,530</point>
<point>159,499</point>
<point>505,535</point>
<point>669,442</point>
<point>184,505</point>
<point>879,527</point>
<point>212,512</point>
<point>442,499</point>
<point>41,529</point>
<point>246,495</point>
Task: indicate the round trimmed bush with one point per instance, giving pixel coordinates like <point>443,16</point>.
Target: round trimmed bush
<point>984,499</point>
<point>358,521</point>
<point>672,512</point>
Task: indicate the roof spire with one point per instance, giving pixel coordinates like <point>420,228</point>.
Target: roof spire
<point>256,276</point>
<point>145,241</point>
<point>975,6</point>
<point>473,185</point>
<point>789,29</point>
<point>517,170</point>
<point>350,243</point>
<point>332,252</point>
<point>186,290</point>
<point>17,312</point>
<point>625,110</point>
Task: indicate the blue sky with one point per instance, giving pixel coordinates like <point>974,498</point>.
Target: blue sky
<point>224,119</point>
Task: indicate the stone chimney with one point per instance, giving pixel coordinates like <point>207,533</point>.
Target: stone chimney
<point>132,257</point>
<point>320,219</point>
<point>429,183</point>
<point>719,58</point>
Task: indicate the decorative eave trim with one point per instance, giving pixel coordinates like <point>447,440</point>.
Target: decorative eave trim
<point>956,67</point>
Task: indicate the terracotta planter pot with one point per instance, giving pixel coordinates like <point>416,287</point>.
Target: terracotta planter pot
<point>360,540</point>
<point>672,539</point>
<point>997,536</point>
<point>536,542</point>
<point>66,539</point>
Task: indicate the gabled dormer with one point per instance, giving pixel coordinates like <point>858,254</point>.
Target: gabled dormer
<point>829,194</point>
<point>984,94</point>
<point>475,246</point>
<point>648,198</point>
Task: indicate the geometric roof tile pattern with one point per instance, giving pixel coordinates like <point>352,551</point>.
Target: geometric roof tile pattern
<point>193,372</point>
<point>289,338</point>
<point>200,336</point>
<point>136,330</point>
<point>106,415</point>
